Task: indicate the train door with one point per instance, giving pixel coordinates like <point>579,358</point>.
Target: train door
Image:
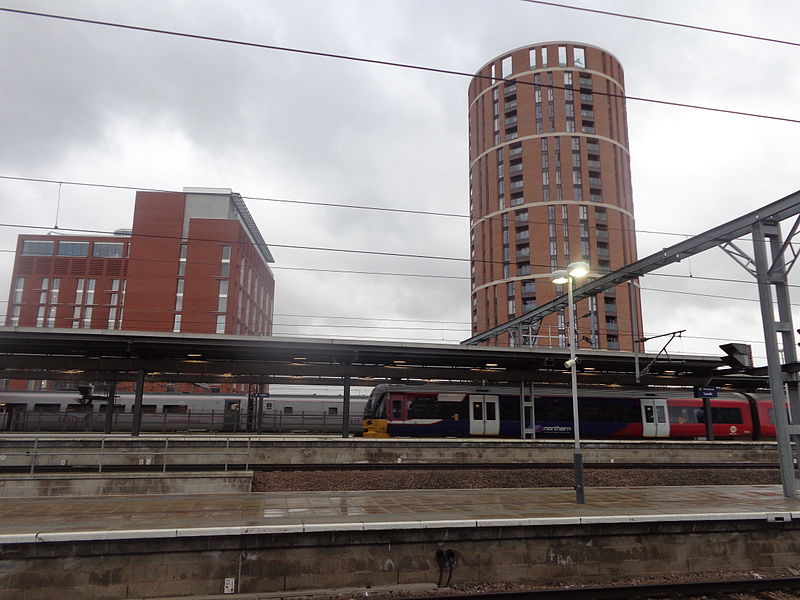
<point>230,418</point>
<point>12,416</point>
<point>655,419</point>
<point>484,415</point>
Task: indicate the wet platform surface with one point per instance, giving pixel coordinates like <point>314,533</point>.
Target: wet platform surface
<point>135,517</point>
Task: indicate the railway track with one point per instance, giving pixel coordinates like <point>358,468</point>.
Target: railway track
<point>716,590</point>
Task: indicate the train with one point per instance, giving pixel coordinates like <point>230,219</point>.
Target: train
<point>179,412</point>
<point>397,410</point>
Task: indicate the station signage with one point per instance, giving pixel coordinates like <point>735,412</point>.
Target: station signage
<point>705,392</point>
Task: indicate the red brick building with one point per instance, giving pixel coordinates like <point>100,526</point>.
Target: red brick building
<point>550,184</point>
<point>193,262</point>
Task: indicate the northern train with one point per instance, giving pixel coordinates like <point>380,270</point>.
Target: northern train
<point>173,412</point>
<point>420,411</point>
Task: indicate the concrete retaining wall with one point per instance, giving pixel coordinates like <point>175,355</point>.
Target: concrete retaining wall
<point>192,451</point>
<point>115,484</point>
<point>545,554</point>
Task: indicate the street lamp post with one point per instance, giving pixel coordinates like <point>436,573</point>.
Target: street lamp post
<point>565,276</point>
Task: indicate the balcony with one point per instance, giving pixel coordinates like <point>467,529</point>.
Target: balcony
<point>511,121</point>
<point>515,151</point>
<point>515,168</point>
<point>511,89</point>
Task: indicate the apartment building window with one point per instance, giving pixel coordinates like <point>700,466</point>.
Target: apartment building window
<point>544,57</point>
<point>91,283</point>
<point>40,317</point>
<point>222,303</point>
<point>37,248</point>
<point>179,294</point>
<point>505,66</point>
<point>176,324</point>
<point>220,324</point>
<point>73,248</point>
<point>107,250</point>
<point>54,289</point>
<point>19,286</point>
<point>43,290</point>
<point>87,317</point>
<point>184,249</point>
<point>579,57</point>
<point>562,56</point>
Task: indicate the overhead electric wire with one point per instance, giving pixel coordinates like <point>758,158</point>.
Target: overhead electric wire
<point>371,319</point>
<point>339,205</point>
<point>371,61</point>
<point>663,22</point>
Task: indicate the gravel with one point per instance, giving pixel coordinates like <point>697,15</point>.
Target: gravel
<point>401,479</point>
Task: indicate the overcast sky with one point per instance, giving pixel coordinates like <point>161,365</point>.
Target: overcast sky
<point>92,104</point>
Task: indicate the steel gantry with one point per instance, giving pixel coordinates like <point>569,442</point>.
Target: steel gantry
<point>771,260</point>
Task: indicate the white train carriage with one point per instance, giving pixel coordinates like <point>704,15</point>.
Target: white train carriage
<point>176,412</point>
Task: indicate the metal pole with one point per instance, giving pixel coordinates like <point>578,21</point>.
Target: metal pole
<point>522,410</point>
<point>773,362</point>
<point>260,409</point>
<point>112,392</point>
<point>346,405</point>
<point>779,280</point>
<point>533,414</point>
<point>634,305</point>
<point>136,423</point>
<point>579,498</point>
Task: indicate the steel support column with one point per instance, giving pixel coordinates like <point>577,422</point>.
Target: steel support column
<point>761,234</point>
<point>136,423</point>
<point>346,406</point>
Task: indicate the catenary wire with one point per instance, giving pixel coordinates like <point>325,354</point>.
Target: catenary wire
<point>374,61</point>
<point>663,22</point>
<point>331,204</point>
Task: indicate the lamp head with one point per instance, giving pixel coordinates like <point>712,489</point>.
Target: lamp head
<point>578,269</point>
<point>559,277</point>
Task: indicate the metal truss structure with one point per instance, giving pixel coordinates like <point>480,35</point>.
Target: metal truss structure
<point>770,262</point>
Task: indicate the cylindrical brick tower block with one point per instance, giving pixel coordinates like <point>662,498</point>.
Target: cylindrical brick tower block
<point>550,184</point>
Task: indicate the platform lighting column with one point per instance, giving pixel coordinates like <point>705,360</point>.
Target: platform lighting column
<point>573,271</point>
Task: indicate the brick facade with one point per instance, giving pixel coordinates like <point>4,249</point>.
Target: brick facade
<point>550,184</point>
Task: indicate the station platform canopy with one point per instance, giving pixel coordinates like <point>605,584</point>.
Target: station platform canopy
<point>95,355</point>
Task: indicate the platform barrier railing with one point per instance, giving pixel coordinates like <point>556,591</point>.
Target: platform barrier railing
<point>105,457</point>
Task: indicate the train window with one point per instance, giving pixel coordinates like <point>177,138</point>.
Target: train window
<point>42,407</point>
<point>287,410</point>
<point>149,408</point>
<point>79,408</point>
<point>554,409</point>
<point>118,408</point>
<point>397,409</point>
<point>491,411</point>
<point>175,408</point>
<point>333,411</point>
<point>268,405</point>
<point>477,411</point>
<point>682,414</point>
<point>725,414</point>
<point>423,407</point>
